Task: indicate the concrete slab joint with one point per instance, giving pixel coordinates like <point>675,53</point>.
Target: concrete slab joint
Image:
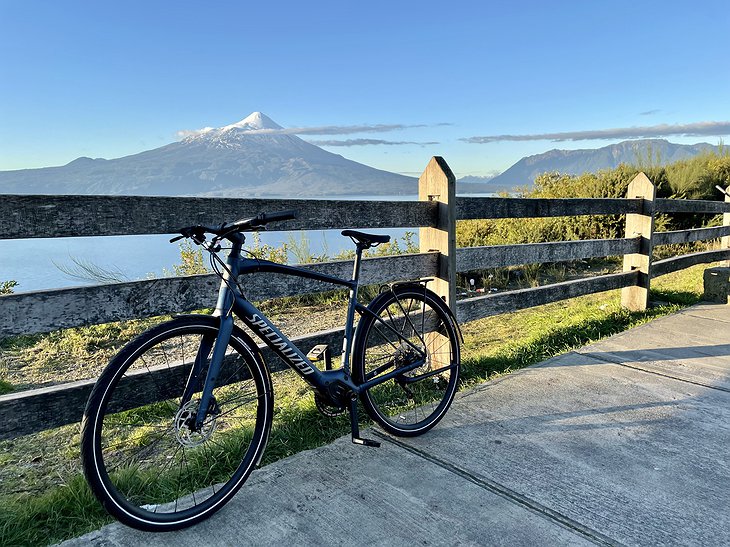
<point>717,285</point>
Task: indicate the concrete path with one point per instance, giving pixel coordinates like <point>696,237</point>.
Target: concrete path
<point>626,441</point>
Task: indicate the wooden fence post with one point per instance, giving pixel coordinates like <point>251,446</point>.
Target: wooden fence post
<point>438,183</point>
<point>636,298</point>
<point>725,240</point>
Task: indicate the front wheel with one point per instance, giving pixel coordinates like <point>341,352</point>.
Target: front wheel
<point>408,328</point>
<point>143,456</point>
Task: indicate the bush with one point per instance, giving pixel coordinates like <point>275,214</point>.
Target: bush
<point>694,178</point>
<point>6,287</point>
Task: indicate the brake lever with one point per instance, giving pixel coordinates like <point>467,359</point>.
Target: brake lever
<point>214,245</point>
<point>185,232</point>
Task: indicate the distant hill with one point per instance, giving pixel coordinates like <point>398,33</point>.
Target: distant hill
<point>250,158</point>
<point>577,162</point>
<point>479,185</point>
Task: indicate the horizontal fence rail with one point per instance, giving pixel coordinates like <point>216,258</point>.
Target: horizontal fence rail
<point>497,256</point>
<point>491,208</point>
<point>669,265</point>
<point>74,216</point>
<point>471,309</point>
<point>434,214</point>
<point>691,206</point>
<point>45,311</point>
<point>687,236</point>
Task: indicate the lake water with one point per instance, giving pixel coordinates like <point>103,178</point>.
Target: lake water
<point>38,264</point>
<point>46,263</point>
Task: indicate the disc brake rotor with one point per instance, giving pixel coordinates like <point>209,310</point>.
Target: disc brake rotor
<point>184,420</point>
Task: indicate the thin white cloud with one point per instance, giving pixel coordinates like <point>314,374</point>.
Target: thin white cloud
<point>366,142</point>
<point>319,130</point>
<point>193,132</point>
<point>337,129</point>
<point>699,129</point>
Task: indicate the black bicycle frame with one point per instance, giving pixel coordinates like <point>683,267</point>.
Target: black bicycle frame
<point>231,301</point>
<point>271,335</point>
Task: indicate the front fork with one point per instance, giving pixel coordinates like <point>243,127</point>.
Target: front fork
<point>223,311</point>
<point>211,378</point>
<point>195,382</point>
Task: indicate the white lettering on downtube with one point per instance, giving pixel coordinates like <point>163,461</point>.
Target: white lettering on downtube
<point>290,353</point>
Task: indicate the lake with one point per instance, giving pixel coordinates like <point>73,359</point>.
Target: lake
<point>38,264</point>
<point>45,263</point>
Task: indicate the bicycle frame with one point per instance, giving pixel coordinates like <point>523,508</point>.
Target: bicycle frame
<point>231,301</point>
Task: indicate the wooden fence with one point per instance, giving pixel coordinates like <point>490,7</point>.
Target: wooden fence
<point>435,214</point>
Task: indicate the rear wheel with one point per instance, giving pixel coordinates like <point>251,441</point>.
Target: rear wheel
<point>143,457</point>
<point>410,329</point>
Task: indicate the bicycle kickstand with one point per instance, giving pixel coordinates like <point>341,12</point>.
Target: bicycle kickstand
<point>356,439</point>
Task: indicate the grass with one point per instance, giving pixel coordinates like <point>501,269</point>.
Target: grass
<point>5,387</point>
<point>66,355</point>
<point>44,499</point>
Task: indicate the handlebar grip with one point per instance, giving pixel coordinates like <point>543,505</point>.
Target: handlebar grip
<point>265,218</point>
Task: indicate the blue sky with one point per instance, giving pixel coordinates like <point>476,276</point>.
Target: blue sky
<point>480,83</point>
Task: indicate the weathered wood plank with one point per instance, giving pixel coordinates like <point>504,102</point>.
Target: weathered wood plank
<point>686,236</point>
<point>63,216</point>
<point>691,206</point>
<point>471,258</point>
<point>437,185</point>
<point>636,297</point>
<point>669,265</point>
<point>45,408</point>
<point>495,304</point>
<point>475,208</point>
<point>46,311</point>
<point>725,241</point>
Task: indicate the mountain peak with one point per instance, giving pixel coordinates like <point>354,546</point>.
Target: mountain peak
<point>252,122</point>
<point>589,160</point>
<point>253,157</point>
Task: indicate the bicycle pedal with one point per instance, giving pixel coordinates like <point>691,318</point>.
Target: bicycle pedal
<point>365,442</point>
<point>321,352</point>
<point>317,352</point>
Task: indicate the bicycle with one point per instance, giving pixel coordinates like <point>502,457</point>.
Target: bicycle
<point>181,415</point>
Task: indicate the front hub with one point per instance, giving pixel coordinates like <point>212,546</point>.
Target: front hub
<point>185,430</point>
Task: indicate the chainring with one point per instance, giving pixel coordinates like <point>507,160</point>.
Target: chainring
<point>327,409</point>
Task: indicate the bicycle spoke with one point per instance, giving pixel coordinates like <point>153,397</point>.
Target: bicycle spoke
<point>146,450</point>
<point>421,336</point>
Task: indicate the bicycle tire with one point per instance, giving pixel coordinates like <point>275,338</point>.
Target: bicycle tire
<point>412,403</point>
<point>140,457</point>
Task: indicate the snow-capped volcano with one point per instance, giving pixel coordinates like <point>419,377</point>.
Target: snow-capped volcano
<point>257,128</point>
<point>254,123</point>
<point>250,158</point>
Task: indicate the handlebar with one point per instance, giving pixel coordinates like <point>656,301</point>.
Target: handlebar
<point>224,230</point>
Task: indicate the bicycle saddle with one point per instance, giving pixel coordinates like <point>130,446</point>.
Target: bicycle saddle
<point>366,239</point>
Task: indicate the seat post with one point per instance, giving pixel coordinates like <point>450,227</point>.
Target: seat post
<point>352,303</point>
<point>358,259</point>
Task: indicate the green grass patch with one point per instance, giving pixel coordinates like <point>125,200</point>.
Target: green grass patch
<point>494,348</point>
<point>44,498</point>
<point>5,387</point>
<point>63,512</point>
